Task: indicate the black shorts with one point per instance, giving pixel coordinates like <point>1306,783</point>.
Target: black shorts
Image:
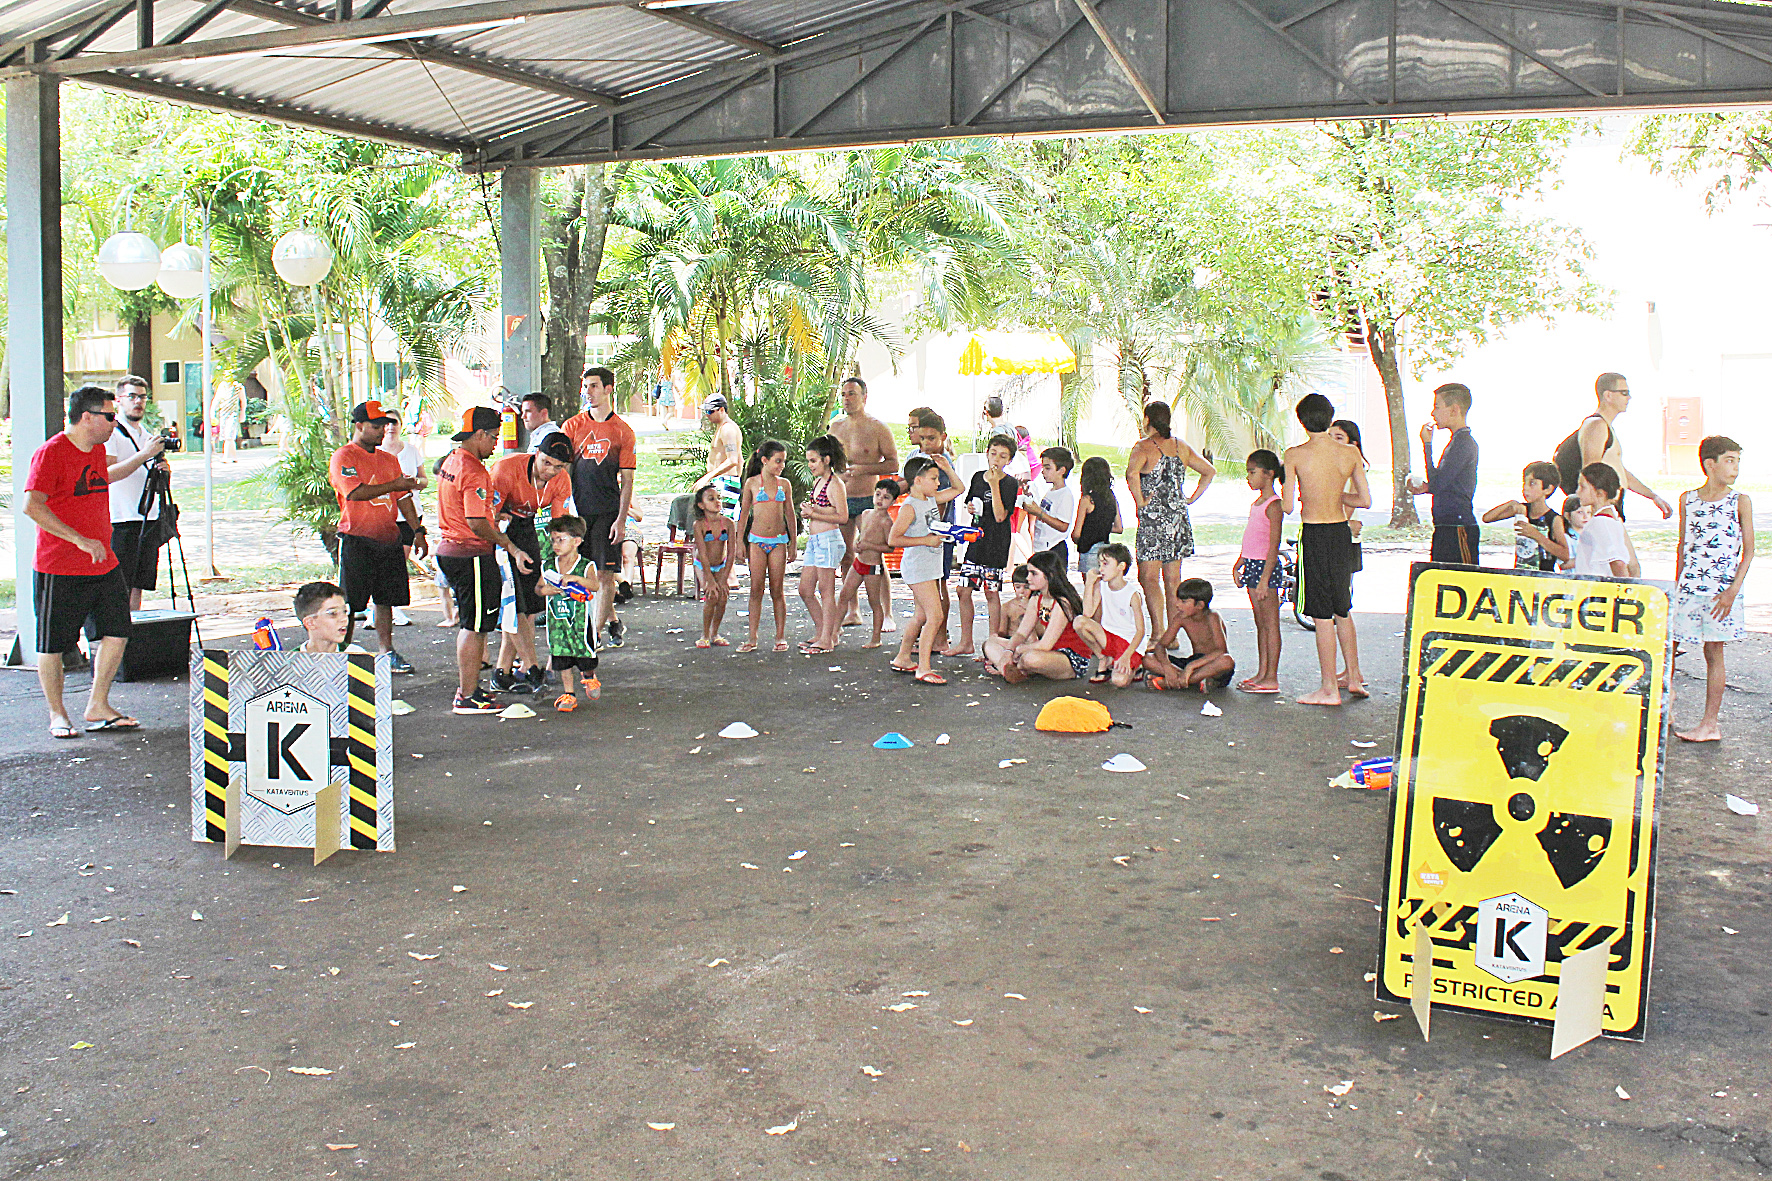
<point>67,601</point>
<point>139,560</point>
<point>1223,679</point>
<point>529,600</point>
<point>1456,544</point>
<point>596,547</point>
<point>372,570</point>
<point>1326,569</point>
<point>478,588</point>
<point>586,664</point>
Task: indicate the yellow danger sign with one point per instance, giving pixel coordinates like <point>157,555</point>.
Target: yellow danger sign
<point>1523,808</point>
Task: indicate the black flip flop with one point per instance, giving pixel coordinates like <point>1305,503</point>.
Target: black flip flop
<point>120,722</point>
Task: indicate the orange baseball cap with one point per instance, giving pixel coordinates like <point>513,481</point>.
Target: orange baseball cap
<point>370,411</point>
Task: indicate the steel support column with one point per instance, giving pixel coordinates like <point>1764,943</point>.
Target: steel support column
<point>519,258</point>
<point>34,327</point>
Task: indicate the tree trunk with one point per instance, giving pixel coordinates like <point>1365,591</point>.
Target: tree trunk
<point>1383,347</point>
<point>141,349</point>
<point>572,251</point>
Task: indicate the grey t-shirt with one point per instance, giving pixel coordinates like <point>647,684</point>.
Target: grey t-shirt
<point>920,563</point>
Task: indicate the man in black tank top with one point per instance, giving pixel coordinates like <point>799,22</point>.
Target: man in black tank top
<point>1599,442</point>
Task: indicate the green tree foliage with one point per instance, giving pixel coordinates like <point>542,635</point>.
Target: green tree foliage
<point>1164,250</point>
<point>1730,150</point>
<point>1420,241</point>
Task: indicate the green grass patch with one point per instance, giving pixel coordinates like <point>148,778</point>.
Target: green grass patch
<point>8,593</point>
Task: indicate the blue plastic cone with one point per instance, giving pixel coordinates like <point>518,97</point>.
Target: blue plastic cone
<point>893,741</point>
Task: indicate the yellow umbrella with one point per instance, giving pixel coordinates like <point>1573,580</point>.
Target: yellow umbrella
<point>1017,352</point>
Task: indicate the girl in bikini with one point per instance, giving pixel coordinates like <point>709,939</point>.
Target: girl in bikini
<point>713,533</point>
<point>1046,643</point>
<point>766,522</point>
<point>825,514</point>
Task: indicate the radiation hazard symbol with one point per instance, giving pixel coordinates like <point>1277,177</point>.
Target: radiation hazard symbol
<point>1523,818</point>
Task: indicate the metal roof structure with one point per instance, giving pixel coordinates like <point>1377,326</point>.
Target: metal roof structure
<point>504,83</point>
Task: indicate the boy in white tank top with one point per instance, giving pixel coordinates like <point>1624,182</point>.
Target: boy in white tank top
<point>1113,618</point>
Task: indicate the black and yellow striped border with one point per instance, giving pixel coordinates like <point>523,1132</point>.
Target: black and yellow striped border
<point>216,745</point>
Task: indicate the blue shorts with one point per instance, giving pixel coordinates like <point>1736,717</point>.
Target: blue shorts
<point>1253,568</point>
<point>859,505</point>
<point>824,551</point>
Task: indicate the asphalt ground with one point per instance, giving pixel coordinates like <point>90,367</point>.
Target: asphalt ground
<point>641,942</point>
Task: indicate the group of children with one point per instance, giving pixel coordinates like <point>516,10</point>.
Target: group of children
<point>1585,535</point>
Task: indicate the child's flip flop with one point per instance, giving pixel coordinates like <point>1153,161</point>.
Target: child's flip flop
<point>747,646</point>
<point>1156,683</point>
<point>899,668</point>
<point>1098,678</point>
<point>931,679</point>
<point>703,644</point>
<point>781,645</point>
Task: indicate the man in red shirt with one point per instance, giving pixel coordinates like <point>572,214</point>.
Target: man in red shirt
<point>602,485</point>
<point>466,516</point>
<point>373,493</point>
<point>68,496</point>
<point>523,486</point>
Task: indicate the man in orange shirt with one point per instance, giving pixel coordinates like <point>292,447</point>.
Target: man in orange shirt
<point>373,493</point>
<point>522,486</point>
<point>602,485</point>
<point>465,519</point>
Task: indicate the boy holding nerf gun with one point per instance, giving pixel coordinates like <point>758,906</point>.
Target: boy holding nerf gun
<point>572,632</point>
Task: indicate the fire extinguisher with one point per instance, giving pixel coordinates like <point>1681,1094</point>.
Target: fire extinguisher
<point>507,430</point>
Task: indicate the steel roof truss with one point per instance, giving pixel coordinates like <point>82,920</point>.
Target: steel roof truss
<point>1518,46</point>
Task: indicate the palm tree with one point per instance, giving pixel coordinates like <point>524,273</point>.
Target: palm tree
<point>716,256</point>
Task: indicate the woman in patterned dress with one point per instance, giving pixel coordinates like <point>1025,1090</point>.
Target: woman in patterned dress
<point>1156,474</point>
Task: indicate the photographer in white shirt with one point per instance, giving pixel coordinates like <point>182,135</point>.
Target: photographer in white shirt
<point>134,457</point>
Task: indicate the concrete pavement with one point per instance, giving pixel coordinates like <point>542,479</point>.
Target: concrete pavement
<point>638,885</point>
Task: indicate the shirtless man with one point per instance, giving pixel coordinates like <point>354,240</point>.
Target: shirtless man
<point>725,468</point>
<point>1329,480</point>
<point>872,454</point>
<point>725,454</point>
<point>1599,442</point>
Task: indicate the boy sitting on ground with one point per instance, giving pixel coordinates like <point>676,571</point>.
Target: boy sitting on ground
<point>1015,608</point>
<point>324,615</point>
<point>1211,665</point>
<point>1114,617</point>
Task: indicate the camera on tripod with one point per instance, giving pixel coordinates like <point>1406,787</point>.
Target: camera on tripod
<point>172,442</point>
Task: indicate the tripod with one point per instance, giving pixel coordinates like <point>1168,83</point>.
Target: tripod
<point>159,509</point>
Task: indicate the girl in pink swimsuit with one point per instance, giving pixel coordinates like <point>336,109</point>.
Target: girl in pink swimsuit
<point>1258,568</point>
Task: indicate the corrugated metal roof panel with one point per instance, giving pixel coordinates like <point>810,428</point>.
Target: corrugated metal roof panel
<point>361,83</point>
<point>617,51</point>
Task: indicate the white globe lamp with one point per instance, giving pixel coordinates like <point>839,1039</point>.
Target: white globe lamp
<point>181,271</point>
<point>129,261</point>
<point>302,258</point>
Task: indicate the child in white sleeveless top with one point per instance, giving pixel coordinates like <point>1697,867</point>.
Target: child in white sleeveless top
<point>1716,548</point>
<point>1113,618</point>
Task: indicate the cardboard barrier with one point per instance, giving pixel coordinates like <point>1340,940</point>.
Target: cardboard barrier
<point>1523,821</point>
<point>292,749</point>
